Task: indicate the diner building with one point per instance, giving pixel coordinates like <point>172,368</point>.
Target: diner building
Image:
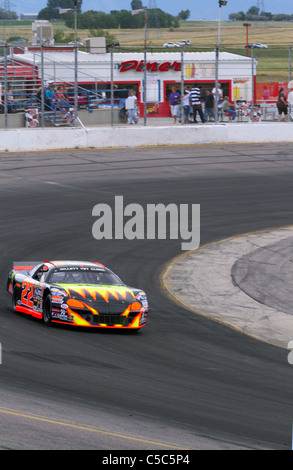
<point>98,71</point>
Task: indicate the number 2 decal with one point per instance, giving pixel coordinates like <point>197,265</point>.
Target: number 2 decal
<point>27,293</point>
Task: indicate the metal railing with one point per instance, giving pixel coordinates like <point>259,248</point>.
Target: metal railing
<point>24,85</point>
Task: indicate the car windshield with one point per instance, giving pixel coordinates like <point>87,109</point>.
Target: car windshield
<point>79,275</point>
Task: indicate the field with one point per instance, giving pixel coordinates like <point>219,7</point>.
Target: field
<point>273,63</point>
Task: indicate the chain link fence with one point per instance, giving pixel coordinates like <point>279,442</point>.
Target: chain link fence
<point>26,100</point>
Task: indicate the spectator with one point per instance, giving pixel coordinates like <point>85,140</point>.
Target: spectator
<point>10,100</point>
<point>39,94</point>
<point>60,100</point>
<point>64,91</point>
<point>290,100</point>
<point>290,97</point>
<point>196,104</point>
<point>174,103</point>
<point>122,95</point>
<point>220,92</point>
<point>209,105</point>
<point>186,104</point>
<point>1,100</point>
<point>49,95</point>
<point>228,108</point>
<point>266,93</point>
<point>59,97</point>
<point>131,103</point>
<point>282,105</point>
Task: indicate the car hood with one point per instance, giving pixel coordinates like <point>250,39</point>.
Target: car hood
<point>103,299</point>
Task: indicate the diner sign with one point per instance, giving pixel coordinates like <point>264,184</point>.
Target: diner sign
<point>138,66</point>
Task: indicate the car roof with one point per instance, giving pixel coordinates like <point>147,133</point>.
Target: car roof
<point>81,264</point>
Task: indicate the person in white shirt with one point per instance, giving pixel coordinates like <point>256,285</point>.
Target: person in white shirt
<point>186,104</point>
<point>220,92</point>
<point>290,101</point>
<point>131,103</point>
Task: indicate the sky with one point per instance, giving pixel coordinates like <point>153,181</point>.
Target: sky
<point>208,9</point>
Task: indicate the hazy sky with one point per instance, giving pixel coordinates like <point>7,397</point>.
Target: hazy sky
<point>207,9</point>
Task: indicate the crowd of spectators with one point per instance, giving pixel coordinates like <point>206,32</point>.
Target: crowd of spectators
<point>194,103</point>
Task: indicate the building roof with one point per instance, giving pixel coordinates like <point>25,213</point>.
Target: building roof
<point>85,57</point>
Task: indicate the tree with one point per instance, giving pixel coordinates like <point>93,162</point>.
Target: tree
<point>48,14</point>
<point>282,17</point>
<point>240,16</point>
<point>266,15</point>
<point>51,11</point>
<point>136,5</point>
<point>164,19</point>
<point>60,37</point>
<point>55,4</point>
<point>124,19</point>
<point>254,11</point>
<point>254,14</point>
<point>7,14</point>
<point>184,15</point>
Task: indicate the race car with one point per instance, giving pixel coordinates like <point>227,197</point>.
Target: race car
<point>83,294</point>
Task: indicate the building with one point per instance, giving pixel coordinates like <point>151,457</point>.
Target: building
<point>164,70</point>
<point>28,16</point>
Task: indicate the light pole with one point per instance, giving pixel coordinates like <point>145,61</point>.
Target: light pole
<point>221,3</point>
<point>290,83</point>
<point>63,11</point>
<point>136,12</point>
<point>246,26</point>
<point>75,64</point>
<point>5,82</point>
<point>116,43</point>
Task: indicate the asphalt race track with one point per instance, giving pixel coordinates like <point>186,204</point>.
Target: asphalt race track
<point>184,381</point>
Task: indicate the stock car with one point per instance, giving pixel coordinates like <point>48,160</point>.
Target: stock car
<point>83,294</point>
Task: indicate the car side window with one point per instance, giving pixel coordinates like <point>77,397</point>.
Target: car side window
<point>34,270</point>
<point>39,273</point>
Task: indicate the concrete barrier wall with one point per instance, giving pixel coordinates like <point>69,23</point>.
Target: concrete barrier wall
<point>98,116</point>
<point>14,120</point>
<point>135,136</point>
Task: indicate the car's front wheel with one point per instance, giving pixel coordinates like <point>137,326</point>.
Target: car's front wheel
<point>14,298</point>
<point>47,310</point>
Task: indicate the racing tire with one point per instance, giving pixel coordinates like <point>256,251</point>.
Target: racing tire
<point>47,310</point>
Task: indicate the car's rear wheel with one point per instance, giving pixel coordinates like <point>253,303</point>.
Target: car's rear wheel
<point>47,310</point>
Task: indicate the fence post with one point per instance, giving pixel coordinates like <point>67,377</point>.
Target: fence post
<point>5,84</point>
<point>182,85</point>
<point>112,89</point>
<point>290,85</point>
<point>43,87</point>
<point>75,81</point>
<point>252,84</point>
<point>216,84</point>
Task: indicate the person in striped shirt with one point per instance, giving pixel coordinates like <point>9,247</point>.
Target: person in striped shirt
<point>196,103</point>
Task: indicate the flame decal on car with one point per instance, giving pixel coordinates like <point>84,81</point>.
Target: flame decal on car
<point>119,293</point>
